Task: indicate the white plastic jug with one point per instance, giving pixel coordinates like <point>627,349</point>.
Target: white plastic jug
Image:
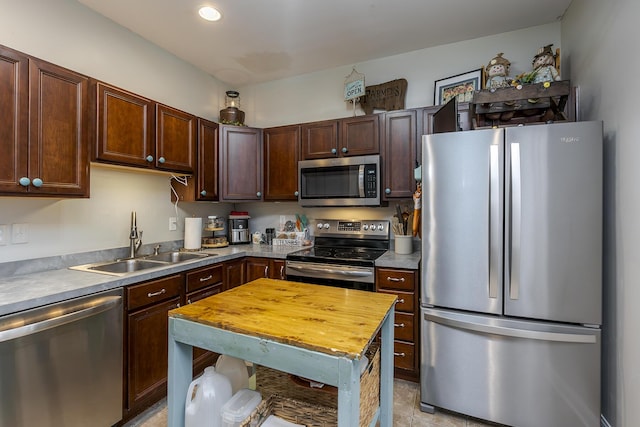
<point>235,369</point>
<point>205,398</point>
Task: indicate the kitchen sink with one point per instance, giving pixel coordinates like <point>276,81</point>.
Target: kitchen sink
<point>125,266</point>
<point>122,267</point>
<point>175,256</point>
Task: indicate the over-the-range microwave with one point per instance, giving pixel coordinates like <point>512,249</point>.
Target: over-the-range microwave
<point>344,181</point>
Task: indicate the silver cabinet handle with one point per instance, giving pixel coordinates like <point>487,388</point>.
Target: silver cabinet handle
<point>398,325</point>
<point>516,216</point>
<point>400,301</point>
<point>102,304</point>
<point>189,301</point>
<point>266,271</point>
<point>395,279</point>
<point>282,272</point>
<point>155,294</point>
<point>399,354</point>
<point>204,279</point>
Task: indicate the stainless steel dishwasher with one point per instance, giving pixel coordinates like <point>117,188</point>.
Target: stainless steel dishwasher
<point>61,364</point>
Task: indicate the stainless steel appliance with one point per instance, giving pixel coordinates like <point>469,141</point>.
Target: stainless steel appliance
<point>511,274</point>
<point>343,254</point>
<point>239,229</point>
<point>344,181</point>
<point>61,365</point>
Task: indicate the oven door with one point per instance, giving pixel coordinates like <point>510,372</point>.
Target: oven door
<point>342,276</point>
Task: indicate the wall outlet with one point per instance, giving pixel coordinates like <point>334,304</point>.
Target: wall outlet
<point>4,234</point>
<point>19,233</point>
<point>173,223</point>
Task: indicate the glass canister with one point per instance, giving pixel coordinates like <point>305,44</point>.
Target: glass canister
<point>232,115</point>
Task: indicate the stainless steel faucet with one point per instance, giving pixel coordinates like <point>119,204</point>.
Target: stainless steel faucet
<point>135,237</point>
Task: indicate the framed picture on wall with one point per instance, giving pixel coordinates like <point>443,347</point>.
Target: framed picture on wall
<point>461,86</point>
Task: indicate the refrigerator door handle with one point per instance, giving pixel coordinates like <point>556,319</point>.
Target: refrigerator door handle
<point>494,217</point>
<point>454,322</point>
<point>516,218</point>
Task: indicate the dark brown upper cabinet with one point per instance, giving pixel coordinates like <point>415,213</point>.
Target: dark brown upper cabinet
<point>281,155</point>
<point>44,128</point>
<point>354,136</point>
<point>240,163</point>
<point>136,131</point>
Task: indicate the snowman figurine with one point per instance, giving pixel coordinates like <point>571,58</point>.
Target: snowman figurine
<point>498,72</point>
<point>544,66</point>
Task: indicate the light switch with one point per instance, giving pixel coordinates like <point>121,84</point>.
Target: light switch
<point>4,234</point>
<point>20,233</point>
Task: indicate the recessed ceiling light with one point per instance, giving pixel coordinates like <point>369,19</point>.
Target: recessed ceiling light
<point>209,13</point>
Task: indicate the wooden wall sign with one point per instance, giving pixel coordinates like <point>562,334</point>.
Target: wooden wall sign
<point>385,96</point>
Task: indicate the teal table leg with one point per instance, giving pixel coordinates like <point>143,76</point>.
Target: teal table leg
<point>179,378</point>
<point>349,393</point>
<point>386,371</point>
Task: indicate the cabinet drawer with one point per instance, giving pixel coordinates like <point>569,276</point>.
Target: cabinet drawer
<point>403,355</point>
<point>204,277</point>
<point>403,327</point>
<point>405,301</point>
<point>204,293</point>
<point>387,278</point>
<point>154,291</point>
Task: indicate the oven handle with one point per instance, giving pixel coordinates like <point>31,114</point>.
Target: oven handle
<point>355,273</point>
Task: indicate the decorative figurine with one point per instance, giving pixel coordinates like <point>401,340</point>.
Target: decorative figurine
<point>544,66</point>
<point>498,72</point>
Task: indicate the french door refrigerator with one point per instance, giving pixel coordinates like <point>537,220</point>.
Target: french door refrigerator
<point>512,274</point>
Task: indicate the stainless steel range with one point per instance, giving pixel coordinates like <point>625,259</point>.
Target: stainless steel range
<point>343,254</point>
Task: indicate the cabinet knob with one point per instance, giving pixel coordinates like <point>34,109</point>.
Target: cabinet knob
<point>296,193</point>
<point>387,191</point>
<point>334,151</point>
<point>161,160</point>
<point>149,158</point>
<point>344,149</point>
<point>259,194</point>
<point>203,193</point>
<point>24,181</point>
<point>37,182</point>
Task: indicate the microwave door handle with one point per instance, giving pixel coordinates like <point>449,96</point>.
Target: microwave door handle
<point>361,181</point>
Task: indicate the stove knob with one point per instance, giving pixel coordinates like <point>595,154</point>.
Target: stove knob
<point>380,227</point>
<point>365,227</point>
<point>326,226</point>
<point>319,226</point>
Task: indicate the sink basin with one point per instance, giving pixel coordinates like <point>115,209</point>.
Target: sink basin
<point>175,256</point>
<point>124,266</point>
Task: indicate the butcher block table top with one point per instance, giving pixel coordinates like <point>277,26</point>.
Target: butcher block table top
<point>318,332</point>
<point>320,318</point>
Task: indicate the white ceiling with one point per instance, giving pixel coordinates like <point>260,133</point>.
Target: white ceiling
<point>263,40</point>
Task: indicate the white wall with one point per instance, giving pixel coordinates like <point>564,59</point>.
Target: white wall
<point>599,43</point>
<point>319,96</point>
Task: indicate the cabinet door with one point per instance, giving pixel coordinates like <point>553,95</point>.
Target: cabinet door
<point>126,126</point>
<point>175,139</point>
<point>257,268</point>
<point>276,269</point>
<point>58,130</point>
<point>204,186</point>
<point>400,134</point>
<point>240,163</point>
<point>147,354</point>
<point>14,131</point>
<point>360,136</point>
<point>320,139</point>
<point>233,274</point>
<point>281,155</point>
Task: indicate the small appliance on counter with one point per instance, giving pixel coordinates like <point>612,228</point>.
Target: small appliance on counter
<point>214,224</point>
<point>239,228</point>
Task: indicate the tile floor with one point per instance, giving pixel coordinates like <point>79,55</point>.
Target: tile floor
<point>406,412</point>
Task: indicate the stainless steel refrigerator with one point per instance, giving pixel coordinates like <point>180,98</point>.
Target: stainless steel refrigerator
<point>512,274</point>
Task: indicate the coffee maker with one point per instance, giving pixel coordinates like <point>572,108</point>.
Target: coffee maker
<point>239,229</point>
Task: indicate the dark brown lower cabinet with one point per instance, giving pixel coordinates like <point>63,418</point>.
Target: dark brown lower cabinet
<point>146,358</point>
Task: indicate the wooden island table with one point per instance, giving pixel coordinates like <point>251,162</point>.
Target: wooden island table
<point>317,332</point>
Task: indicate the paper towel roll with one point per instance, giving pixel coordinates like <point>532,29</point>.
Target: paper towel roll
<point>192,233</point>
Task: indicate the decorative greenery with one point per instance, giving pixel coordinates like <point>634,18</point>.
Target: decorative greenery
<point>228,122</point>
